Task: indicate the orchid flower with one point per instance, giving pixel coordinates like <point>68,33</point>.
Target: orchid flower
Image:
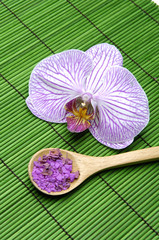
<point>90,90</point>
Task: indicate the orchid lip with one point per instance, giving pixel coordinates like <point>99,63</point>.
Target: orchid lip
<point>79,120</point>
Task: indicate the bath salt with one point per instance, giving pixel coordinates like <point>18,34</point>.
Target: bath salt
<point>53,172</point>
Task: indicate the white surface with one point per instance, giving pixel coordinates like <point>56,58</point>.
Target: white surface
<point>156,1</point>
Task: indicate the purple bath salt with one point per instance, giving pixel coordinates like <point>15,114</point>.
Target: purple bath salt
<point>53,173</point>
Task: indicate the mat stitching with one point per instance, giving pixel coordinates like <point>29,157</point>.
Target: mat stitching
<point>138,229</point>
<point>101,211</point>
<point>61,136</point>
<point>144,11</point>
<point>145,141</point>
<point>27,27</point>
<point>103,180</point>
<point>128,204</point>
<point>12,86</point>
<point>110,204</point>
<point>154,176</point>
<point>111,41</point>
<point>91,24</point>
<point>36,198</point>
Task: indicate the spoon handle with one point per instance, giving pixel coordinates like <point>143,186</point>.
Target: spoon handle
<point>129,158</point>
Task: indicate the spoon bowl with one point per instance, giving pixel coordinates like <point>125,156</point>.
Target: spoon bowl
<point>88,165</point>
<point>65,154</point>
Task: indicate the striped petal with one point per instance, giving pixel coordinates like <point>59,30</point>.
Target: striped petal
<point>55,81</point>
<point>93,130</point>
<point>122,109</point>
<point>103,56</point>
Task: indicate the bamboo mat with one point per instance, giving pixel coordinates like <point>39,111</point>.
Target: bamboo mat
<point>115,204</point>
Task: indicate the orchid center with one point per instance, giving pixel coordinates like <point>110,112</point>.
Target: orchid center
<point>80,114</point>
<point>86,97</point>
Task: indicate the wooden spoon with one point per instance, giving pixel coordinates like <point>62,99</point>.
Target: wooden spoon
<point>88,165</point>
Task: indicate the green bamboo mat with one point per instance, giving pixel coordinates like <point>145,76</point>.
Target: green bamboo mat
<point>115,204</point>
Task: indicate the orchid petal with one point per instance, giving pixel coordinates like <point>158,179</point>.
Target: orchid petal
<point>38,114</point>
<point>57,80</point>
<point>122,108</point>
<point>103,56</point>
<point>108,144</point>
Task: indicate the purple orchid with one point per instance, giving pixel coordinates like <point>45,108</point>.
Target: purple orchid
<point>90,90</point>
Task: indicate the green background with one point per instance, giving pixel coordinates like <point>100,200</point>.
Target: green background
<point>115,204</point>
